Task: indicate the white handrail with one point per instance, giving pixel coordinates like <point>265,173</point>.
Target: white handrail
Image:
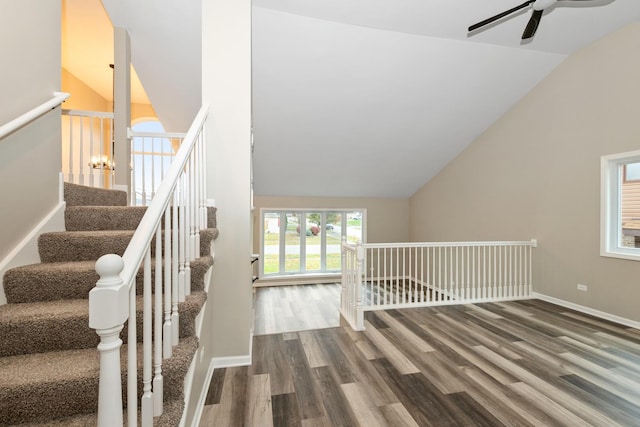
<point>133,134</point>
<point>113,301</point>
<point>88,113</point>
<point>18,122</point>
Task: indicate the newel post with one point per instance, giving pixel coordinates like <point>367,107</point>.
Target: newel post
<point>108,310</point>
<point>359,278</point>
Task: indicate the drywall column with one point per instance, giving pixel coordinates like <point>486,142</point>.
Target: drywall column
<point>226,88</point>
<point>122,107</point>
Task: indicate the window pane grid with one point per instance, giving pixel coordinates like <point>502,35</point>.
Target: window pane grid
<point>307,241</point>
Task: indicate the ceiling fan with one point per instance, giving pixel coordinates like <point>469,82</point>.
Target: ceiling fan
<point>539,6</point>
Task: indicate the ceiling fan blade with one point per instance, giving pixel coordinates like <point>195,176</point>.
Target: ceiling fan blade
<point>500,15</point>
<point>532,25</point>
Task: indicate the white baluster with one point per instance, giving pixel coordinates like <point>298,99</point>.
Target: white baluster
<point>70,175</point>
<point>175,276</point>
<point>167,341</point>
<point>81,159</point>
<point>182,235</point>
<point>108,310</point>
<point>157,330</point>
<point>146,403</point>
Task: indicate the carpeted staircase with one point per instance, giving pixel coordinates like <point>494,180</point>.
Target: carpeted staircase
<point>48,358</point>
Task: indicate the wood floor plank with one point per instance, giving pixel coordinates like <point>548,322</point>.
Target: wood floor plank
<point>285,410</point>
<point>312,349</point>
<point>215,387</point>
<point>305,388</point>
<point>526,363</point>
<point>336,408</point>
<point>397,415</point>
<point>398,328</point>
<point>258,410</point>
<point>562,415</point>
<point>395,356</point>
<point>472,358</point>
<point>365,374</point>
<point>541,384</point>
<point>499,400</point>
<point>366,411</point>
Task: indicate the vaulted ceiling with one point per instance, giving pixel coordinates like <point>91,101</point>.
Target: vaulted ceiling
<point>364,97</point>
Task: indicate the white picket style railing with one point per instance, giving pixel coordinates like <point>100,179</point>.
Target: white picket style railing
<point>400,275</point>
<point>151,155</point>
<point>87,148</point>
<point>179,202</point>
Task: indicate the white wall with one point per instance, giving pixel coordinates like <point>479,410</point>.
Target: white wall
<point>226,88</point>
<point>30,158</point>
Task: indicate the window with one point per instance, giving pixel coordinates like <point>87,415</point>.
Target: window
<point>620,206</point>
<point>151,156</point>
<point>307,241</point>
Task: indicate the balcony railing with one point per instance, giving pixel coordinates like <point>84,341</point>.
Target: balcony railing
<point>400,275</point>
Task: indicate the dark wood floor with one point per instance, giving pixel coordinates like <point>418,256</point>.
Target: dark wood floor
<point>525,363</point>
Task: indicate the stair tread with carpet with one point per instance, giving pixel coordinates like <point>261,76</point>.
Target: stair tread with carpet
<point>65,383</point>
<point>37,327</point>
<point>48,357</point>
<point>74,280</point>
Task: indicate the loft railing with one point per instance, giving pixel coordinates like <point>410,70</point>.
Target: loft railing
<point>400,275</point>
<point>87,148</point>
<point>179,203</point>
<point>31,115</point>
<point>151,155</point>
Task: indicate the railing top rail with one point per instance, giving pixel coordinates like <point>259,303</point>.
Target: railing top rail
<point>135,134</point>
<point>135,252</point>
<point>18,122</point>
<point>531,243</point>
<point>87,113</point>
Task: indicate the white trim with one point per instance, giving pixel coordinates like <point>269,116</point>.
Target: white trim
<point>298,279</point>
<point>26,252</point>
<point>610,187</point>
<point>203,397</point>
<point>231,361</point>
<point>587,310</point>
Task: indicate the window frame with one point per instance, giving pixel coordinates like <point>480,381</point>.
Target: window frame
<point>302,212</point>
<point>612,176</point>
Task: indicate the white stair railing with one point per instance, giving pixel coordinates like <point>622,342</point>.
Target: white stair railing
<point>397,275</point>
<point>179,204</point>
<point>151,155</point>
<point>87,148</point>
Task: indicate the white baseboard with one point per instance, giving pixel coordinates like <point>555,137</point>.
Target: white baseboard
<point>231,361</point>
<point>26,252</point>
<point>203,395</point>
<point>587,310</point>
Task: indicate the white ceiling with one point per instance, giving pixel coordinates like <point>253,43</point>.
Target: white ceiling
<point>374,97</point>
<point>363,97</point>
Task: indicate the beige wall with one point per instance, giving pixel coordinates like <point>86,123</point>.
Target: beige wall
<point>535,173</point>
<point>30,157</point>
<point>387,219</point>
<point>84,97</point>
